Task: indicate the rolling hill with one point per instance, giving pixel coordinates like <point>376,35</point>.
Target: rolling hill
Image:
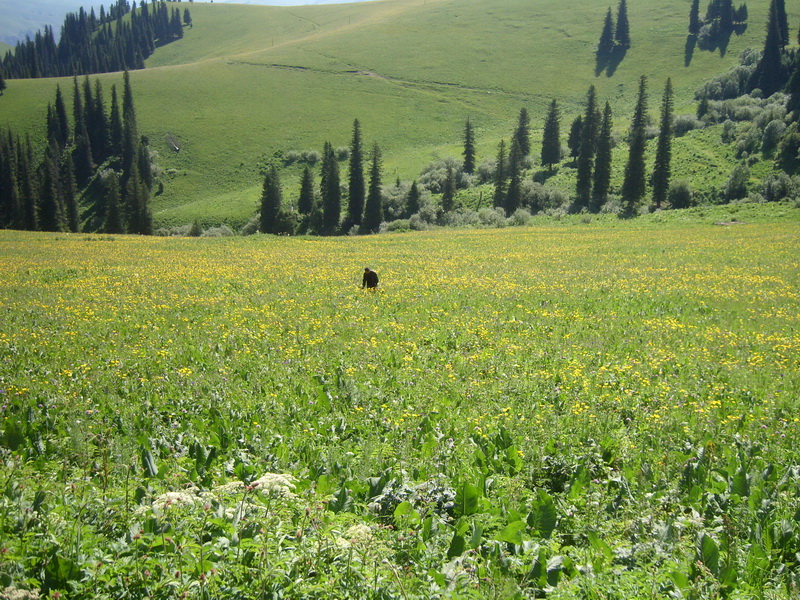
<point>247,82</point>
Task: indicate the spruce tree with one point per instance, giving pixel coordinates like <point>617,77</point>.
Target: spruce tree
<point>622,35</point>
<point>373,211</point>
<point>574,138</point>
<point>662,168</point>
<point>271,199</point>
<point>115,125</point>
<point>61,119</point>
<point>114,221</point>
<point>469,148</point>
<point>633,185</point>
<point>101,134</point>
<point>69,193</point>
<point>694,18</point>
<point>605,47</point>
<point>583,185</point>
<point>768,74</point>
<point>412,201</point>
<point>51,215</point>
<point>602,163</point>
<point>29,197</point>
<point>514,192</point>
<point>2,82</point>
<point>783,23</point>
<point>10,202</point>
<point>500,175</point>
<point>356,186</point>
<point>130,137</point>
<point>522,135</point>
<point>82,150</point>
<point>306,200</point>
<point>330,191</point>
<point>551,137</point>
<point>449,190</point>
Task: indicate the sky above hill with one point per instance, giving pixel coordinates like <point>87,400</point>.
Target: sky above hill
<point>18,19</point>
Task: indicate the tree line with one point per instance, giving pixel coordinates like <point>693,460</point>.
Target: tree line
<point>89,44</point>
<point>98,155</point>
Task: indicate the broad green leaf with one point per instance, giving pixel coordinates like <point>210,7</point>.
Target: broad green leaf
<point>708,553</point>
<point>512,533</point>
<point>467,499</point>
<point>457,546</point>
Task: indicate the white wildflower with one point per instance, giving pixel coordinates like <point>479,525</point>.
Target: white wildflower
<point>358,535</point>
<point>12,593</point>
<point>275,484</point>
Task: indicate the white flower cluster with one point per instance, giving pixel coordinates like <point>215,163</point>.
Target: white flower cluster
<point>12,593</point>
<point>358,535</point>
<point>276,484</point>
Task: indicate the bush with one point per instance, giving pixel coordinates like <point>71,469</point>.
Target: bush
<point>773,133</point>
<point>779,186</point>
<point>736,186</point>
<point>251,226</point>
<point>435,174</point>
<point>342,153</point>
<point>221,231</point>
<point>417,223</point>
<point>486,170</point>
<point>492,217</point>
<point>680,194</point>
<point>396,225</point>
<point>540,197</point>
<point>685,123</point>
<point>519,218</point>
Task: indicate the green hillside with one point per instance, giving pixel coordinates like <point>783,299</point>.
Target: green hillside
<point>249,81</point>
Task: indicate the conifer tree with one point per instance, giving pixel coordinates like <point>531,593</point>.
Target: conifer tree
<point>82,151</point>
<point>114,222</point>
<point>469,148</point>
<point>69,193</point>
<point>783,23</point>
<point>500,175</point>
<point>187,17</point>
<point>602,163</point>
<point>583,185</point>
<point>115,125</point>
<point>373,211</point>
<point>694,18</point>
<point>768,74</point>
<point>449,190</point>
<point>551,142</point>
<point>356,184</point>
<point>662,168</point>
<point>271,200</point>
<point>330,191</point>
<point>100,135</point>
<point>130,136</point>
<point>29,197</point>
<point>522,135</point>
<point>61,119</point>
<point>412,201</point>
<point>514,192</point>
<point>51,215</point>
<point>306,200</point>
<point>633,185</point>
<point>2,82</point>
<point>574,138</point>
<point>622,35</point>
<point>605,47</point>
<point>10,204</point>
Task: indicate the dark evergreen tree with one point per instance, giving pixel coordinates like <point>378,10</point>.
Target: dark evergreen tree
<point>373,211</point>
<point>187,18</point>
<point>793,89</point>
<point>449,190</point>
<point>522,134</point>
<point>602,163</point>
<point>2,82</point>
<point>11,214</point>
<point>662,168</point>
<point>29,197</point>
<point>145,165</point>
<point>271,200</point>
<point>694,18</point>
<point>469,148</point>
<point>768,74</point>
<point>115,126</point>
<point>583,185</point>
<point>306,200</point>
<point>356,185</point>
<point>634,183</point>
<point>500,175</point>
<point>69,193</point>
<point>51,214</point>
<point>130,138</point>
<point>551,138</point>
<point>412,201</point>
<point>100,134</point>
<point>605,47</point>
<point>783,22</point>
<point>514,192</point>
<point>114,218</point>
<point>82,150</point>
<point>622,35</point>
<point>62,129</point>
<point>330,191</point>
<point>574,139</point>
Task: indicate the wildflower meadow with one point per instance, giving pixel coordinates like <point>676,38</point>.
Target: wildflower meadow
<point>595,410</point>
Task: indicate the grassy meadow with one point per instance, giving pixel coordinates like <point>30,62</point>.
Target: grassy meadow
<point>581,409</point>
<point>246,82</point>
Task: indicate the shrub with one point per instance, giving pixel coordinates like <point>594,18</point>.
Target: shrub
<point>773,133</point>
<point>486,170</point>
<point>779,186</point>
<point>736,186</point>
<point>251,226</point>
<point>540,197</point>
<point>680,194</point>
<point>519,218</point>
<point>685,123</point>
<point>492,217</point>
<point>435,174</point>
<point>221,231</point>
